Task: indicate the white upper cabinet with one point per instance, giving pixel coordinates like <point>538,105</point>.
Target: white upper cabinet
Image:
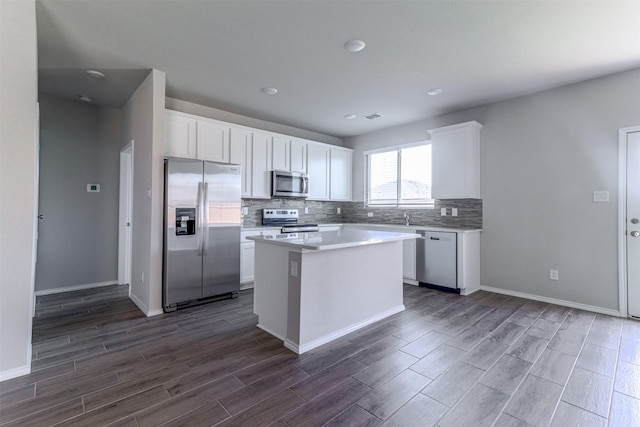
<point>318,164</point>
<point>340,173</point>
<point>241,153</point>
<point>180,136</point>
<point>281,147</point>
<point>213,141</point>
<point>298,155</point>
<point>261,179</point>
<point>455,153</point>
<point>259,153</point>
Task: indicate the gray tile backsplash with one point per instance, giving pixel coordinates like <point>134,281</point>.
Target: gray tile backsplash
<point>469,212</point>
<point>319,212</point>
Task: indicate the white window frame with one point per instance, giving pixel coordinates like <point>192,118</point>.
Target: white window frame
<point>397,205</point>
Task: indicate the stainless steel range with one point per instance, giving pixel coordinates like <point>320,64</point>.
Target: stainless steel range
<point>287,219</point>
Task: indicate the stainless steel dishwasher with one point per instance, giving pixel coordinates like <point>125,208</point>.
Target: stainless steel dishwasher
<point>436,260</point>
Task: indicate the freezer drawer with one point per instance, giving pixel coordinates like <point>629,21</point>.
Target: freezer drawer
<point>436,259</point>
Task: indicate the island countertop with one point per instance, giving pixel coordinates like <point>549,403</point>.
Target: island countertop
<point>326,240</point>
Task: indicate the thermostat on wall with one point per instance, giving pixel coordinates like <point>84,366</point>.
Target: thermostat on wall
<point>93,188</point>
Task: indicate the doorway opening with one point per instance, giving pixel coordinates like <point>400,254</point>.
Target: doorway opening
<point>629,221</point>
<point>125,215</point>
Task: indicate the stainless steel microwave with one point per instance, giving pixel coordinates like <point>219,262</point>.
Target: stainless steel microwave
<point>289,184</point>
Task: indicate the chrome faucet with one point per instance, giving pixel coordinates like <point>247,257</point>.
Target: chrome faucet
<point>406,219</point>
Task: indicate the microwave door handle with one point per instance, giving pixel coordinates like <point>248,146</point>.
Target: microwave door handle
<point>304,185</point>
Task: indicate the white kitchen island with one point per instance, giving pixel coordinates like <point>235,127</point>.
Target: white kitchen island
<point>311,288</point>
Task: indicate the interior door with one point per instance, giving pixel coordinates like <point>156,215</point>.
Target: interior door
<point>633,224</point>
<point>221,246</point>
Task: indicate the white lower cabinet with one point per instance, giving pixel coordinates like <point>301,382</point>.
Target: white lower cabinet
<point>247,255</point>
<point>409,259</point>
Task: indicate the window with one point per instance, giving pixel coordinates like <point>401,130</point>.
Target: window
<point>399,176</point>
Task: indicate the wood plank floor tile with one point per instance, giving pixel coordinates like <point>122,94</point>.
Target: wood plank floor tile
<point>122,408</point>
<point>186,402</point>
<point>354,416</point>
<point>53,415</point>
<point>266,412</point>
<point>327,379</point>
<point>481,408</point>
<point>203,416</point>
<point>328,405</point>
<point>385,369</point>
<point>248,396</point>
<point>389,397</point>
<point>535,401</point>
<point>421,411</point>
<point>17,394</point>
<point>454,383</point>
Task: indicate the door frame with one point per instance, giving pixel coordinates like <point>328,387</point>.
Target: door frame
<point>125,215</point>
<point>622,209</point>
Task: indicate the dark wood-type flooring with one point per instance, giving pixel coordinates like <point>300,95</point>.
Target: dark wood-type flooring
<point>481,360</point>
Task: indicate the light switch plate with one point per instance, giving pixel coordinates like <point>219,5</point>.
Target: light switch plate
<point>245,211</point>
<point>600,196</point>
<point>454,211</point>
<point>443,211</point>
<point>339,210</point>
<point>93,188</point>
<point>369,214</point>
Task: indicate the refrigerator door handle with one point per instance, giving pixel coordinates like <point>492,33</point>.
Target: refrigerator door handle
<point>199,216</point>
<point>205,224</point>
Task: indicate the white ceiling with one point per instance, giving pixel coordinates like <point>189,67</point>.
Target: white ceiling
<point>221,53</point>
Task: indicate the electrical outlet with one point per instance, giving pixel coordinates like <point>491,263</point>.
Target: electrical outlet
<point>339,210</point>
<point>294,269</point>
<point>443,211</point>
<point>306,210</point>
<point>142,277</point>
<point>454,211</point>
<point>245,211</point>
<point>553,274</point>
<point>369,214</point>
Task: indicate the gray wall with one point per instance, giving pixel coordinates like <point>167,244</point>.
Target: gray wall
<point>541,157</point>
<point>18,97</point>
<point>143,122</point>
<point>78,237</point>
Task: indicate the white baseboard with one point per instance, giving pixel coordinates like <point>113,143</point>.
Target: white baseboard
<point>299,349</point>
<point>270,332</point>
<point>143,307</point>
<point>75,288</point>
<point>561,302</point>
<point>15,372</point>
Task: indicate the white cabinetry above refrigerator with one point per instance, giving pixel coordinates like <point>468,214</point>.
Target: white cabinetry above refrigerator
<point>260,152</point>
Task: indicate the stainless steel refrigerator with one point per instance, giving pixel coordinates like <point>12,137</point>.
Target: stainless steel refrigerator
<point>201,232</point>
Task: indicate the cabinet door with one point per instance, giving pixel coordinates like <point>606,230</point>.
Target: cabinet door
<point>409,259</point>
<point>281,147</point>
<point>180,136</point>
<point>340,174</point>
<point>455,154</point>
<point>318,170</point>
<point>261,161</point>
<point>298,156</point>
<point>240,152</point>
<point>213,142</point>
<point>247,255</point>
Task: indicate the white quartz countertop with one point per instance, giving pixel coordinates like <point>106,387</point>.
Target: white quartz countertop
<point>326,240</point>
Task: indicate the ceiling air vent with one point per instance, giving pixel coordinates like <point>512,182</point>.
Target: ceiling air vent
<point>373,116</point>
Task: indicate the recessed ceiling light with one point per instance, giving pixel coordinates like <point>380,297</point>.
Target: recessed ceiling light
<point>269,90</point>
<point>350,116</point>
<point>96,74</point>
<point>85,98</point>
<point>354,45</point>
<point>435,91</point>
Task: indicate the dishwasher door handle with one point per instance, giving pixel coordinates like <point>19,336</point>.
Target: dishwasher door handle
<point>434,238</point>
